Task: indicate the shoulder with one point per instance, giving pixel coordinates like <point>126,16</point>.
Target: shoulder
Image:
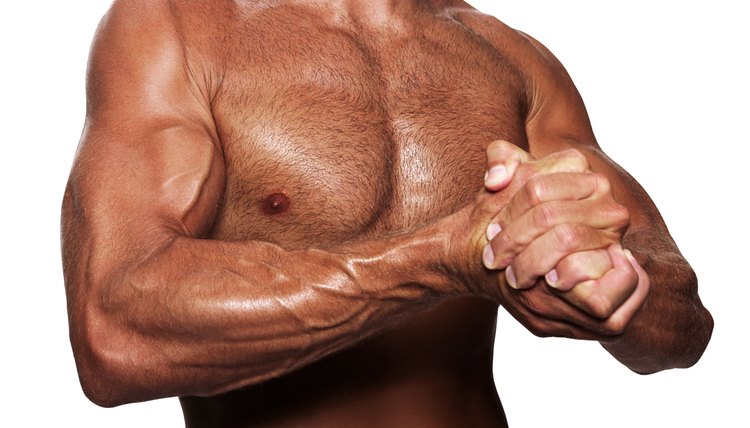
<point>544,74</point>
<point>144,20</point>
<point>516,45</point>
<point>124,14</point>
<point>149,20</point>
<point>554,104</point>
<point>143,39</point>
<point>488,27</point>
<point>132,29</point>
<point>538,66</point>
<point>141,65</point>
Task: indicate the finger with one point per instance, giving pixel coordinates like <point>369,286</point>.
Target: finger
<point>553,187</point>
<point>520,233</point>
<point>545,252</point>
<point>502,160</point>
<point>548,327</point>
<point>488,255</point>
<point>579,267</point>
<point>570,160</point>
<point>625,313</point>
<point>547,314</point>
<point>601,298</point>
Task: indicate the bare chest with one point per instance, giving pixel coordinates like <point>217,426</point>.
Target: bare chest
<point>331,136</point>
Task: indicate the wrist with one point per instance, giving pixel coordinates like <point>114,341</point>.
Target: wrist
<point>461,256</point>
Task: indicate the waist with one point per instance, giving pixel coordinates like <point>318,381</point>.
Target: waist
<point>434,371</point>
<point>421,397</point>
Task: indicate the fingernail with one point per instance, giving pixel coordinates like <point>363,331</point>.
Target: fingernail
<point>488,257</point>
<point>511,277</point>
<point>629,255</point>
<point>492,230</point>
<point>552,278</point>
<point>496,175</point>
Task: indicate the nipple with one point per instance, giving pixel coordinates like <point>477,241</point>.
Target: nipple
<point>276,203</point>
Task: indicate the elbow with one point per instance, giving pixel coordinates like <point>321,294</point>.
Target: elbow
<point>102,391</point>
<point>103,379</point>
<point>681,360</point>
<point>115,364</point>
<point>698,339</point>
<point>687,346</point>
<point>108,376</point>
<point>677,341</point>
<point>692,339</point>
<point>111,370</point>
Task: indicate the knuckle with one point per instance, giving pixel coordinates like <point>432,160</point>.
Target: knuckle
<point>544,216</point>
<point>577,160</point>
<point>501,149</point>
<point>519,265</point>
<point>615,326</point>
<point>536,188</point>
<point>503,242</point>
<point>601,307</point>
<point>619,216</point>
<point>567,236</point>
<point>573,266</point>
<point>603,185</point>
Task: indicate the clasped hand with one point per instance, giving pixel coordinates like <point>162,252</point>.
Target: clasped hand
<point>556,245</point>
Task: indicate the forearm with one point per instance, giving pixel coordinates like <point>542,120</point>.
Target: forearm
<point>672,328</point>
<point>200,317</point>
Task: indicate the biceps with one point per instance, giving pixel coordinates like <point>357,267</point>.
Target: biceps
<point>558,121</point>
<point>187,179</point>
<point>167,178</point>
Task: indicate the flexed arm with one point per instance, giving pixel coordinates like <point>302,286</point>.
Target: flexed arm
<point>157,310</point>
<point>569,232</point>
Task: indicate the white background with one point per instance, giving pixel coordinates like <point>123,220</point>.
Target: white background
<point>666,86</point>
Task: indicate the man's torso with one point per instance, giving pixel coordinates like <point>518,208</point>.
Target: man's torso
<point>334,131</point>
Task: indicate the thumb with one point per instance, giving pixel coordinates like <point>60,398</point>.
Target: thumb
<point>502,160</point>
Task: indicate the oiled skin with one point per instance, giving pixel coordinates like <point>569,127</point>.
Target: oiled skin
<point>270,212</point>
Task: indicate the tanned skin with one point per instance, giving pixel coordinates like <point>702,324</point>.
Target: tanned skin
<point>277,213</point>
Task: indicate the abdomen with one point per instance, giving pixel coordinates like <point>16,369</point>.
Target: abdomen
<point>433,370</point>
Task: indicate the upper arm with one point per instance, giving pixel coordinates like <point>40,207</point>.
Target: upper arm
<point>557,120</point>
<point>149,164</point>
